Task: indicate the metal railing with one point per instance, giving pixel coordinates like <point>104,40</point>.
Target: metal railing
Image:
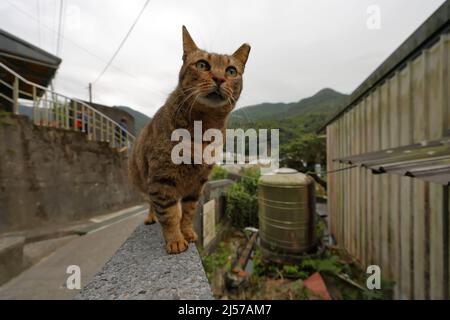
<point>52,109</point>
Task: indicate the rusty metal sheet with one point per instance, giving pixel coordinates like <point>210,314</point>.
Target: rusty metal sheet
<point>428,161</point>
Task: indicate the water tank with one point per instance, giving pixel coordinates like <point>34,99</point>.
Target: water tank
<point>286,215</point>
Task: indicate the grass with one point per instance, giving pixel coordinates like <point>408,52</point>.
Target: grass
<point>221,258</point>
<point>285,281</point>
<point>5,113</point>
<point>329,265</point>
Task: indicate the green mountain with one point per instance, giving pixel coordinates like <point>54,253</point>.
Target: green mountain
<point>261,111</point>
<point>140,119</point>
<point>326,101</point>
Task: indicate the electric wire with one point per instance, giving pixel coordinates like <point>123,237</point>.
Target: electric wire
<point>66,38</point>
<point>60,28</point>
<point>122,42</point>
<point>38,11</point>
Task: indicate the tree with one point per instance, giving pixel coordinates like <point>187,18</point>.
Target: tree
<point>304,152</point>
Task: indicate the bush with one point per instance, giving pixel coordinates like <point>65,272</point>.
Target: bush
<point>218,173</point>
<point>249,180</point>
<point>220,258</point>
<point>242,200</point>
<point>327,264</point>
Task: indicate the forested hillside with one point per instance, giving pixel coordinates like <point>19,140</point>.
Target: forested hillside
<point>300,147</point>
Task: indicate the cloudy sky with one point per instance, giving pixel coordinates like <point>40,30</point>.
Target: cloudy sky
<point>298,46</point>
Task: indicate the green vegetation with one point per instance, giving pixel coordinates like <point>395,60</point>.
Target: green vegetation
<point>221,258</point>
<point>294,272</point>
<point>242,200</point>
<point>325,263</point>
<point>333,266</point>
<point>218,173</point>
<point>4,112</point>
<point>300,146</point>
<point>6,120</point>
<point>304,152</point>
<point>320,227</point>
<point>343,276</point>
<point>325,101</point>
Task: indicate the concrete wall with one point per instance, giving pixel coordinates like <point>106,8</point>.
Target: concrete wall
<point>214,190</point>
<point>142,270</point>
<point>50,176</point>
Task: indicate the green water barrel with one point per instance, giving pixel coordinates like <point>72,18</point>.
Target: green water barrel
<point>286,216</point>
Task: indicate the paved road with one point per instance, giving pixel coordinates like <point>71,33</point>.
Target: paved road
<point>46,279</point>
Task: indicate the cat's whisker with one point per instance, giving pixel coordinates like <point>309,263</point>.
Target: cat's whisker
<point>186,90</point>
<point>230,96</point>
<point>186,98</point>
<point>198,89</point>
<point>191,106</point>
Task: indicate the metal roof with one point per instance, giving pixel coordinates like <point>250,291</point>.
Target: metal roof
<point>31,62</point>
<point>429,161</point>
<point>424,37</point>
<point>13,45</point>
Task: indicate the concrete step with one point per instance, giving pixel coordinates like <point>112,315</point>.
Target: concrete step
<point>23,249</point>
<point>100,222</point>
<point>11,257</point>
<point>47,278</point>
<point>36,251</point>
<point>75,228</point>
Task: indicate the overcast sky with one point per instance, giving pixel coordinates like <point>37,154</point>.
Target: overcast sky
<point>298,47</point>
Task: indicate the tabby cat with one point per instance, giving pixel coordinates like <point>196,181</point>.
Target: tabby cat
<point>208,88</point>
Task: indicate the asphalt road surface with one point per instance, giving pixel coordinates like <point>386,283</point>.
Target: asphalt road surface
<point>47,279</point>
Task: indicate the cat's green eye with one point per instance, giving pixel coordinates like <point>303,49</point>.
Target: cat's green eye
<point>231,72</point>
<point>202,65</point>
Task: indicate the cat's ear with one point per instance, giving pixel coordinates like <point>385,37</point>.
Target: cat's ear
<point>242,53</point>
<point>188,44</point>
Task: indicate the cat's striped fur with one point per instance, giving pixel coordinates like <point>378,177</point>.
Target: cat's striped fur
<point>206,92</point>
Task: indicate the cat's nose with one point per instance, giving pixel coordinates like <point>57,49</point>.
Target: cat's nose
<point>218,80</point>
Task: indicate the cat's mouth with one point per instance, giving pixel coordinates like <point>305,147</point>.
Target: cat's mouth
<point>215,96</point>
<point>214,99</point>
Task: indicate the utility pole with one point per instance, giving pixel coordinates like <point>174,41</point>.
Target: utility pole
<point>90,92</point>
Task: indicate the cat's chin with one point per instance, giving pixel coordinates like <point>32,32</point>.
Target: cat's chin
<point>213,102</point>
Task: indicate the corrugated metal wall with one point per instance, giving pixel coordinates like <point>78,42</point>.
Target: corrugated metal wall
<point>395,222</point>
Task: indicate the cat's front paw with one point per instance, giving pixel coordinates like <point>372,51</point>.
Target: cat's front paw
<point>189,235</point>
<point>151,219</point>
<point>177,246</point>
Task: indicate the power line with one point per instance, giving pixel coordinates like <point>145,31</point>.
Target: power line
<point>65,38</point>
<point>122,42</point>
<point>58,42</point>
<point>55,8</point>
<point>38,9</point>
<point>53,30</point>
